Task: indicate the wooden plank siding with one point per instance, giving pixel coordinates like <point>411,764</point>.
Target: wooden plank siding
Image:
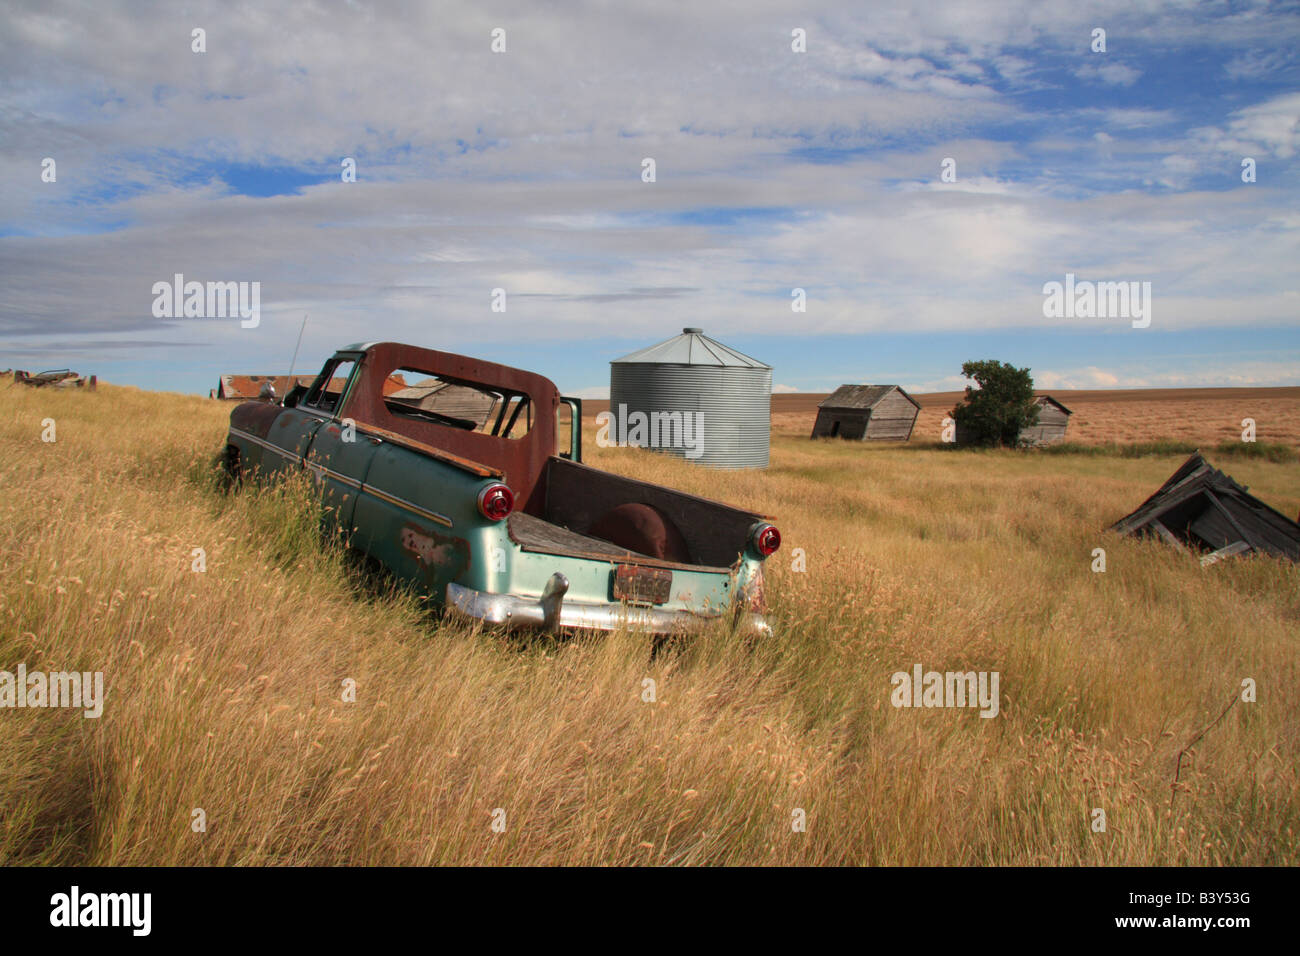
<point>867,412</point>
<point>892,418</point>
<point>1052,421</point>
<point>841,423</point>
<point>1201,508</point>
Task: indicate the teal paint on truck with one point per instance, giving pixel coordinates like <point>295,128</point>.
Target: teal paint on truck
<point>402,442</point>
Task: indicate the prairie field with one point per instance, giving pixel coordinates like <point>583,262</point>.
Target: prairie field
<point>225,685</point>
<point>1204,416</point>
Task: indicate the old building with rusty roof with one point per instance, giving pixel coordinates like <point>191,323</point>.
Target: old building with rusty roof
<point>245,388</point>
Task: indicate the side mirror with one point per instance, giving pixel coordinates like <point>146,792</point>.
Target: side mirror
<point>294,396</point>
<point>575,429</point>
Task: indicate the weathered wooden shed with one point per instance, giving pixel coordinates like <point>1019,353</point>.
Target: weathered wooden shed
<point>446,398</point>
<point>867,412</point>
<point>1202,510</point>
<point>1053,417</point>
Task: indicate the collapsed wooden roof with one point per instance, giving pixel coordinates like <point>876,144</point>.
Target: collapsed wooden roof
<point>1203,510</point>
<point>861,396</point>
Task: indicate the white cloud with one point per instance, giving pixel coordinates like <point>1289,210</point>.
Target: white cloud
<point>869,259</point>
<point>595,392</point>
<point>1127,117</point>
<point>1275,124</point>
<point>1090,377</point>
<point>948,383</point>
<point>1271,128</point>
<point>1109,73</point>
<point>1182,371</point>
<point>522,170</point>
<point>1254,64</point>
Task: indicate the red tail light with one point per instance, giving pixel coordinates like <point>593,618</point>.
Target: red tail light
<point>766,540</point>
<point>495,502</point>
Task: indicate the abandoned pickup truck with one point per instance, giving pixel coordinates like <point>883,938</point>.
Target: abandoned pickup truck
<point>446,470</point>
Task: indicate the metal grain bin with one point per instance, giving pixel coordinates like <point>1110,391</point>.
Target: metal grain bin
<point>696,399</point>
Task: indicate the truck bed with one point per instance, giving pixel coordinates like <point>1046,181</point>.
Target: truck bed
<point>537,534</point>
<point>573,497</point>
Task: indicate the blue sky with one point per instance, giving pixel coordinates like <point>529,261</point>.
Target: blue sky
<point>775,170</point>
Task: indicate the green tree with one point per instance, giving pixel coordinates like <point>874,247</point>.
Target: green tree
<point>994,413</point>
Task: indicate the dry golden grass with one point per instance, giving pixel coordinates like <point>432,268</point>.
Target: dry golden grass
<point>224,687</point>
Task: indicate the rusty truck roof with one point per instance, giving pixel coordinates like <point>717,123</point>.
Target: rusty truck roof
<point>520,460</point>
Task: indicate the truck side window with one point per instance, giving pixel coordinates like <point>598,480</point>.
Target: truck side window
<point>328,387</point>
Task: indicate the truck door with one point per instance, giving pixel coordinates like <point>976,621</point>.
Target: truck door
<point>338,455</point>
<point>291,432</point>
<point>407,515</point>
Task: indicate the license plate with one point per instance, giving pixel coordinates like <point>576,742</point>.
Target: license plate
<point>642,585</point>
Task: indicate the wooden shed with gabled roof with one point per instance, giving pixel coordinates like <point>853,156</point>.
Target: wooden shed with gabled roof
<point>1053,417</point>
<point>867,412</point>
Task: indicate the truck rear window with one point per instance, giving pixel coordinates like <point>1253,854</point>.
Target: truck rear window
<point>471,406</point>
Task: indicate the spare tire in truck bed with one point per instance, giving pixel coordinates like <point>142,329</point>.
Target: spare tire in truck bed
<point>643,528</point>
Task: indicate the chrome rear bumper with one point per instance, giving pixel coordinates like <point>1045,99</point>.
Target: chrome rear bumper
<point>551,612</point>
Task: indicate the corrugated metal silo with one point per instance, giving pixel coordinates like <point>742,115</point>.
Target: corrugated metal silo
<point>727,396</point>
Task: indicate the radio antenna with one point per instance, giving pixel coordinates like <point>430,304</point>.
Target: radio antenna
<point>294,360</point>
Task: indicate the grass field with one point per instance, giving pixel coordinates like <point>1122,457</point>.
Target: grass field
<point>1193,416</point>
<point>224,687</point>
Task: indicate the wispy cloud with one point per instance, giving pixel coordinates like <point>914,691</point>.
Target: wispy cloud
<point>774,170</point>
<point>1108,72</point>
